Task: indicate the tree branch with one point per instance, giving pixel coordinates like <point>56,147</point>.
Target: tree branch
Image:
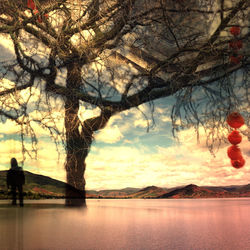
<point>18,88</point>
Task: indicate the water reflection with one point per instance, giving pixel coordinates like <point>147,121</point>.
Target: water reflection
<point>127,224</point>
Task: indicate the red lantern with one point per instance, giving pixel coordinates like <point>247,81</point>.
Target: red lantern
<point>234,153</point>
<point>39,19</point>
<point>235,120</point>
<point>236,59</point>
<point>236,44</point>
<point>234,137</point>
<point>235,30</point>
<point>239,163</point>
<point>31,4</point>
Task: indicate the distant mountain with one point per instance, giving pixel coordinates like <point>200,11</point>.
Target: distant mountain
<point>194,191</point>
<point>43,187</point>
<point>148,192</point>
<point>242,190</point>
<point>189,191</point>
<point>115,193</point>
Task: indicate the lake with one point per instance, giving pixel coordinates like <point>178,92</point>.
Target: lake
<point>127,224</point>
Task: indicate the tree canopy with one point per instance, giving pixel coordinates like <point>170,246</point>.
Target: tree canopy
<point>115,55</point>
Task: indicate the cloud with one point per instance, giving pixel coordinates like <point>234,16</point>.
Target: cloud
<point>180,164</point>
<point>8,149</point>
<point>7,50</point>
<point>85,113</point>
<point>47,162</point>
<point>127,141</point>
<point>110,134</point>
<point>113,165</point>
<point>9,127</point>
<point>166,118</point>
<point>141,123</point>
<point>133,164</point>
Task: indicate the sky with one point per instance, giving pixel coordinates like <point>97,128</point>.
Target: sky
<point>125,154</point>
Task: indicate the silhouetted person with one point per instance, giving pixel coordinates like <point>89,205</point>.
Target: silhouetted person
<point>15,179</point>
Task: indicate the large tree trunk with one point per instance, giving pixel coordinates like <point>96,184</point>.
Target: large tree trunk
<point>75,149</point>
<point>79,137</point>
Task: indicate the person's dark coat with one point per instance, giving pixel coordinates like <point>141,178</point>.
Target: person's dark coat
<point>15,177</point>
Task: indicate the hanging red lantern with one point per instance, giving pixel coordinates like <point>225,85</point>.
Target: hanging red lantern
<point>31,4</point>
<point>39,19</point>
<point>235,120</point>
<point>236,44</point>
<point>234,152</point>
<point>236,59</point>
<point>239,163</point>
<point>235,30</point>
<point>234,137</point>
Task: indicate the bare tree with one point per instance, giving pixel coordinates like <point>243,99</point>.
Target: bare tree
<point>117,55</point>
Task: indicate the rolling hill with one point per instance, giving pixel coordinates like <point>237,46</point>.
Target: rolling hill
<point>114,193</point>
<point>43,187</point>
<point>148,192</point>
<point>36,186</point>
<point>194,191</point>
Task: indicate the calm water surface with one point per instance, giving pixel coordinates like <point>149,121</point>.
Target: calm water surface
<point>127,224</point>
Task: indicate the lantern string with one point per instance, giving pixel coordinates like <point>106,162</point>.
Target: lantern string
<point>235,120</point>
<point>235,45</point>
